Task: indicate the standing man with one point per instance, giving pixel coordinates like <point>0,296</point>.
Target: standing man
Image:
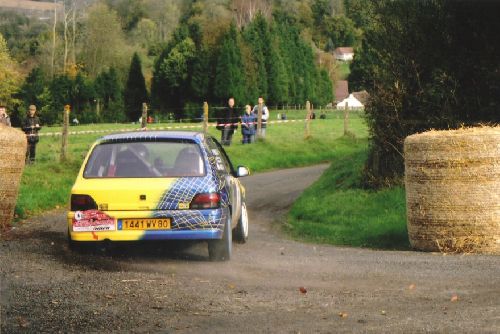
<point>4,118</point>
<point>31,126</point>
<point>265,116</point>
<point>227,122</point>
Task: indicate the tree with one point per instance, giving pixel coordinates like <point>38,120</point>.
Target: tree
<point>229,80</point>
<point>103,40</point>
<point>109,96</point>
<point>256,35</point>
<point>9,75</point>
<point>431,64</point>
<point>135,90</point>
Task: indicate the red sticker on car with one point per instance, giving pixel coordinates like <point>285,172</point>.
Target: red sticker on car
<point>92,221</point>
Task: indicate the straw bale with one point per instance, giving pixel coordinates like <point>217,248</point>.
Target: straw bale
<point>453,190</point>
<point>12,157</point>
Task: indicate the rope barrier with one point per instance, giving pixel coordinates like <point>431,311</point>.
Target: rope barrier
<point>84,132</point>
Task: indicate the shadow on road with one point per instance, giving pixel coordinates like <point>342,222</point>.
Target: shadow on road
<point>109,256</point>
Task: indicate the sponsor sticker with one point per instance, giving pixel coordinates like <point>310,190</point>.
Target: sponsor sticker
<point>92,221</point>
<point>183,205</point>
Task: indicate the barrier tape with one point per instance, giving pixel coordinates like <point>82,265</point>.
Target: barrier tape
<point>160,128</point>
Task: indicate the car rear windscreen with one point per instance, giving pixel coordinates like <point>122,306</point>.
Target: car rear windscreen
<point>144,160</point>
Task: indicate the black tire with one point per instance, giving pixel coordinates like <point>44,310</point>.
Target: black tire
<point>240,233</point>
<point>220,249</point>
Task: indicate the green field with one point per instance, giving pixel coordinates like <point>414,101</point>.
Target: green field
<point>46,184</point>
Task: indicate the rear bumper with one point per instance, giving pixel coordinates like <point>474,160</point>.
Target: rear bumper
<point>147,235</point>
<point>186,225</point>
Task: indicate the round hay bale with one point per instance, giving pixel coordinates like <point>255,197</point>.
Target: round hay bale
<point>12,157</point>
<point>453,190</point>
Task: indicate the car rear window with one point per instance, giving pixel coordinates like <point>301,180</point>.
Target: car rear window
<point>145,160</point>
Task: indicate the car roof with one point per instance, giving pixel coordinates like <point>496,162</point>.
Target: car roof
<point>152,135</point>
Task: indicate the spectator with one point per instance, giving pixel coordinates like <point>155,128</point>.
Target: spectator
<point>265,116</point>
<point>75,121</point>
<point>248,125</point>
<point>227,122</point>
<point>4,118</point>
<point>31,126</point>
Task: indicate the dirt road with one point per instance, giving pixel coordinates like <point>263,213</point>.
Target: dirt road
<point>175,289</point>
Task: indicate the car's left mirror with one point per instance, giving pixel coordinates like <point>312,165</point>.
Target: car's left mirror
<point>242,171</point>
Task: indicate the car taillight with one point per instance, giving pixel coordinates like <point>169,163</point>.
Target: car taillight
<point>82,203</point>
<point>205,201</point>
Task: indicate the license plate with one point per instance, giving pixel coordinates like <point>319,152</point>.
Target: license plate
<point>145,224</point>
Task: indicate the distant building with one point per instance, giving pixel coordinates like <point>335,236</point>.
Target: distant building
<point>344,53</point>
<point>341,90</point>
<point>352,103</point>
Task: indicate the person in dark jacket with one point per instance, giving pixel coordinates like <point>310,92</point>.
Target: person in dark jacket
<point>248,121</point>
<point>31,126</point>
<point>227,122</point>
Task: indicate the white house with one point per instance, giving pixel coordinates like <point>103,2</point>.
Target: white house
<point>352,103</point>
<point>344,53</point>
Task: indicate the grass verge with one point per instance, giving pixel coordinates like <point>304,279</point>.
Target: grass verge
<point>337,211</point>
<point>47,184</point>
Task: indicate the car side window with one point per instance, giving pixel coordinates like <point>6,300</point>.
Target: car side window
<point>224,159</point>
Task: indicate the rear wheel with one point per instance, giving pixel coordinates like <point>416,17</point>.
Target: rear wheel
<point>220,249</point>
<point>240,233</point>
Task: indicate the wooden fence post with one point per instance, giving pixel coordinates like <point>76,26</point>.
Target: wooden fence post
<point>144,118</point>
<point>307,133</point>
<point>259,121</point>
<point>346,119</point>
<point>205,117</point>
<point>64,140</point>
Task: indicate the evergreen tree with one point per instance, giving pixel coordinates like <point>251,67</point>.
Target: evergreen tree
<point>135,90</point>
<point>172,74</point>
<point>109,96</point>
<point>229,80</point>
<point>255,36</point>
<point>32,88</point>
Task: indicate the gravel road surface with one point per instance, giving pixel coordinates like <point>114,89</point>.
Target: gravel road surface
<point>271,285</point>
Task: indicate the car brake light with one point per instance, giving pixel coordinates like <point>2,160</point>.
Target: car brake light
<point>205,201</point>
<point>82,203</point>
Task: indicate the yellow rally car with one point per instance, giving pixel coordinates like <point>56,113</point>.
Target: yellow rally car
<point>159,185</point>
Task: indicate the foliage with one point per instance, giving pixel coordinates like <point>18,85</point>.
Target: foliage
<point>9,75</point>
<point>104,34</point>
<point>171,77</point>
<point>22,34</point>
<point>229,80</point>
<point>421,75</point>
<point>109,96</point>
<point>135,93</point>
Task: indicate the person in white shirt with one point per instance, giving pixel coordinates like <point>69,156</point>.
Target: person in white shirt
<point>265,115</point>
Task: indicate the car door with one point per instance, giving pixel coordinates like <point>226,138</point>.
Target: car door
<point>232,182</point>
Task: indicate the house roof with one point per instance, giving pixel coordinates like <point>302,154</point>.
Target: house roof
<point>344,50</point>
<point>341,90</point>
<point>362,96</point>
